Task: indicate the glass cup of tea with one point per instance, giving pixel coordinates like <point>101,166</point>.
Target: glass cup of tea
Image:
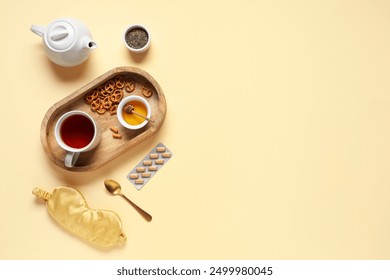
<point>76,132</point>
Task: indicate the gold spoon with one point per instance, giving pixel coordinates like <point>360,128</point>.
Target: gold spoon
<point>114,188</point>
<point>130,110</point>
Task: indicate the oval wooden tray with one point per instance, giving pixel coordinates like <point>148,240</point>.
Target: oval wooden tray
<point>108,148</point>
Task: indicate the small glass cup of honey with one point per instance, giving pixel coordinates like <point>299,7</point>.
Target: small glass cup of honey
<point>133,119</point>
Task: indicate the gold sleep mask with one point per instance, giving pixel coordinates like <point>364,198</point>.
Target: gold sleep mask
<point>68,207</point>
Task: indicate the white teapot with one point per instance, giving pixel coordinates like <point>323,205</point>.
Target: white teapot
<point>67,41</point>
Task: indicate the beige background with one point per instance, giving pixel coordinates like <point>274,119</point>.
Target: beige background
<point>278,118</point>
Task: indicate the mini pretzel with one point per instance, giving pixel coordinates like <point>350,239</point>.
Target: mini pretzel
<point>146,91</point>
<point>91,96</point>
<point>119,82</point>
<point>102,96</point>
<point>101,90</point>
<point>95,105</point>
<point>88,99</point>
<point>110,86</point>
<point>113,109</point>
<point>116,96</point>
<point>101,110</point>
<point>130,86</point>
<point>106,102</point>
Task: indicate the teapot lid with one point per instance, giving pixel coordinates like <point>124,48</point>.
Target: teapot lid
<point>60,35</point>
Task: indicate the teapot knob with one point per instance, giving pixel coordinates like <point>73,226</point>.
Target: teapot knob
<point>59,35</point>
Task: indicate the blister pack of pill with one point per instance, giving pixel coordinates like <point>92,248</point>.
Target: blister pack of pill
<point>149,166</point>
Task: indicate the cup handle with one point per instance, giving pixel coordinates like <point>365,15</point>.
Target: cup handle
<point>71,158</point>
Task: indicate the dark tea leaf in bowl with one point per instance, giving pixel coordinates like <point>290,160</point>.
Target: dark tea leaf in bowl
<point>137,38</point>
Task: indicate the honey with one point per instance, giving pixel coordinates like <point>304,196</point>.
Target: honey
<point>133,119</point>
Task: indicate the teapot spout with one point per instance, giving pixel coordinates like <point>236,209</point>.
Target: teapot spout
<point>39,30</point>
<point>88,43</point>
<point>91,45</point>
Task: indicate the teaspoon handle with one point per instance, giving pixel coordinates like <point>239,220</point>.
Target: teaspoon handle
<point>143,213</point>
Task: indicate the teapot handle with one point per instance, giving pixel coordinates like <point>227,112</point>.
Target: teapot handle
<point>39,30</point>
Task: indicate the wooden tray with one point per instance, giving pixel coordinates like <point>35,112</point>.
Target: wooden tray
<point>108,148</point>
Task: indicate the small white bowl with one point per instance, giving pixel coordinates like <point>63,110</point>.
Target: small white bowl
<point>127,100</point>
<point>134,49</point>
